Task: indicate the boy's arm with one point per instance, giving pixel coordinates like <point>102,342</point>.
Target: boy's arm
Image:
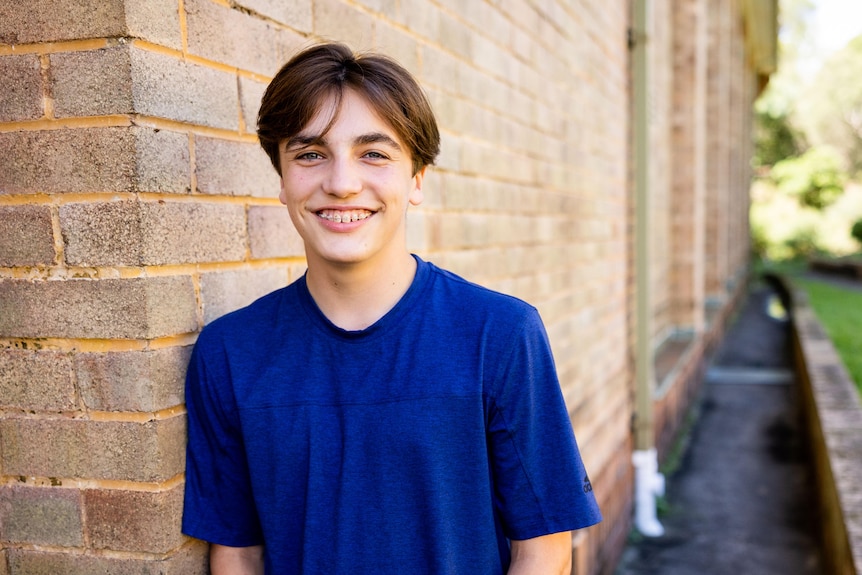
<point>546,555</point>
<point>236,560</point>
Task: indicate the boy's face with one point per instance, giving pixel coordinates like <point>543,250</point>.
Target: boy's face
<point>348,190</point>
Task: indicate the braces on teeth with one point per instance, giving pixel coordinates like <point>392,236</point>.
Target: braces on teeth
<point>344,217</point>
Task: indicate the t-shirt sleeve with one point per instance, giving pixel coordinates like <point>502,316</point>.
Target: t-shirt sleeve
<point>218,505</point>
<point>541,485</point>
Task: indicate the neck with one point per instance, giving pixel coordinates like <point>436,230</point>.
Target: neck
<point>353,297</point>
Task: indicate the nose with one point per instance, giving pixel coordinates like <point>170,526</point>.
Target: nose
<point>342,179</point>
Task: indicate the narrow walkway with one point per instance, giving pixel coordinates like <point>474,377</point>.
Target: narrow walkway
<point>740,502</point>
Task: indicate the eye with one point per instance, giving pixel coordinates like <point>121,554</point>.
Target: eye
<point>376,155</point>
<point>309,156</point>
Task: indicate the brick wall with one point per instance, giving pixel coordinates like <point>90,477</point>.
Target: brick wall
<point>136,207</point>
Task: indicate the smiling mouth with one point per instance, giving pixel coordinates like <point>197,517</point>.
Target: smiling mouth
<point>344,216</point>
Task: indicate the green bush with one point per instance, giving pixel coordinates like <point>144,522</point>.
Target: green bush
<point>815,178</point>
<point>856,231</point>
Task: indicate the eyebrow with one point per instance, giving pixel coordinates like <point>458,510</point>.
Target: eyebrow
<point>304,140</point>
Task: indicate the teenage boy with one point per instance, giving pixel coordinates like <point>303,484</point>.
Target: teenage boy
<point>379,415</point>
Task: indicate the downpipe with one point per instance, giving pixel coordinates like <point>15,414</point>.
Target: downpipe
<point>649,484</point>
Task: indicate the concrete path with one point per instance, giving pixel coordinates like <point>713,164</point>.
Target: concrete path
<point>741,501</point>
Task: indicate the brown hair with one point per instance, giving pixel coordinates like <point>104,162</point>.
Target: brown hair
<point>299,89</point>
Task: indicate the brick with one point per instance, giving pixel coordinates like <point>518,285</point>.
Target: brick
<point>167,87</point>
<point>234,169</point>
<point>76,448</point>
<point>296,14</point>
<point>40,515</point>
<point>421,18</point>
<point>129,232</point>
<point>396,44</point>
<point>132,380</point>
<point>190,559</point>
<point>223,34</point>
<point>27,236</point>
<point>102,233</point>
<point>155,20</point>
<point>335,19</point>
<point>381,6</point>
<point>122,159</point>
<point>454,35</point>
<point>134,520</point>
<point>147,307</point>
<point>223,292</point>
<point>92,83</point>
<point>184,232</point>
<point>250,95</point>
<point>271,233</point>
<point>21,97</point>
<point>47,20</point>
<point>67,161</point>
<point>36,380</point>
<point>162,161</point>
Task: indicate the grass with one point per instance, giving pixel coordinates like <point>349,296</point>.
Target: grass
<point>840,312</point>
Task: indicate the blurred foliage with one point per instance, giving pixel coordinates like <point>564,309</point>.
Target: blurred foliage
<point>856,231</point>
<point>775,138</point>
<point>830,109</point>
<point>814,178</point>
<point>784,229</point>
<point>808,147</point>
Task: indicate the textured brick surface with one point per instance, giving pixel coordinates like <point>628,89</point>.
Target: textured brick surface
<point>40,515</point>
<point>155,20</point>
<point>48,20</point>
<point>234,169</point>
<point>102,233</point>
<point>296,14</point>
<point>74,448</point>
<point>26,236</point>
<point>194,232</point>
<point>92,83</point>
<point>109,308</point>
<point>178,232</point>
<point>67,161</point>
<point>335,19</point>
<point>21,97</point>
<point>222,292</point>
<point>132,380</point>
<point>36,380</point>
<point>44,20</point>
<point>134,520</point>
<point>167,87</point>
<point>94,159</point>
<point>399,45</point>
<point>162,161</point>
<point>250,94</point>
<point>188,560</point>
<point>271,233</point>
<point>232,37</point>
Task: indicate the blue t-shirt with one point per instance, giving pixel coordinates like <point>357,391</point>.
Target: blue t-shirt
<point>421,444</point>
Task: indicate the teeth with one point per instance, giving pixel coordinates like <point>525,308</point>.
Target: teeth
<point>344,216</point>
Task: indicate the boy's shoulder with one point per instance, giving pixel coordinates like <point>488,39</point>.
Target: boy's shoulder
<point>258,317</point>
<point>471,297</point>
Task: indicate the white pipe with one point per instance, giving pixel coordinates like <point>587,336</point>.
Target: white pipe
<point>649,484</point>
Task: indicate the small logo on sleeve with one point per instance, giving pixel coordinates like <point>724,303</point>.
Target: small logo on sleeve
<point>588,487</point>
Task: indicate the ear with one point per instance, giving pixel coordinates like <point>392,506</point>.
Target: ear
<point>282,195</point>
<point>416,194</point>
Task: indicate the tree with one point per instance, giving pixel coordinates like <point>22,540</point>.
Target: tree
<point>831,108</point>
<point>815,178</point>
